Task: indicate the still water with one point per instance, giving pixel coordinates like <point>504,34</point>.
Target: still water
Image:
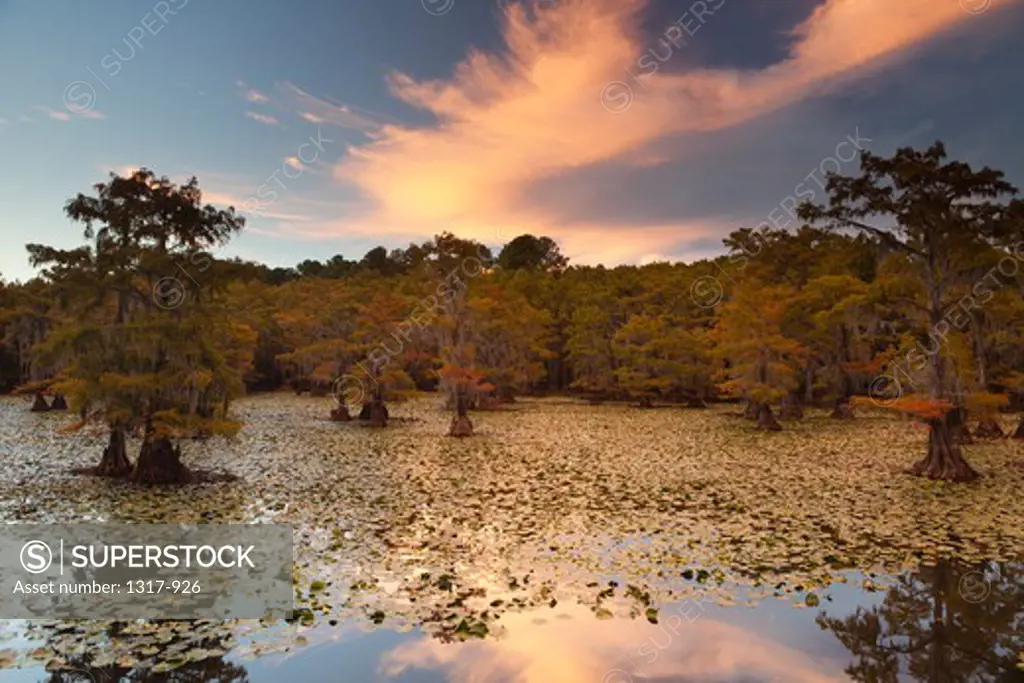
<point>563,543</point>
<point>943,624</point>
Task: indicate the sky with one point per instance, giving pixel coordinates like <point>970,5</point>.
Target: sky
<point>630,131</point>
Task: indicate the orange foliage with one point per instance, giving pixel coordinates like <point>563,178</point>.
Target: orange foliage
<point>919,406</point>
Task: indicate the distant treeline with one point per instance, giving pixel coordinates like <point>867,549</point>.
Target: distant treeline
<point>905,288</point>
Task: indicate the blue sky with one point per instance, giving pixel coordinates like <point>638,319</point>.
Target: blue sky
<point>627,130</point>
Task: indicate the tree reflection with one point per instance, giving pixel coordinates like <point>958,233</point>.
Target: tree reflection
<point>942,624</point>
<point>82,666</point>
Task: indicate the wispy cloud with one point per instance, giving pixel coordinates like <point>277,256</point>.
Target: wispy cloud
<point>250,94</point>
<point>54,114</point>
<point>507,121</point>
<point>256,96</point>
<point>263,118</point>
<point>61,115</point>
<point>319,110</point>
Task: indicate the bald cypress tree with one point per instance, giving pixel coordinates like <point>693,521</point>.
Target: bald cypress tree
<point>941,217</point>
<point>145,348</point>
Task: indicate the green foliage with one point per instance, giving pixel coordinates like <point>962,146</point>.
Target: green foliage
<point>130,350</point>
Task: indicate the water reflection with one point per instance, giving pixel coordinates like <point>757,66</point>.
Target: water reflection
<point>939,625</point>
<point>577,648</point>
<point>191,658</point>
<point>943,624</point>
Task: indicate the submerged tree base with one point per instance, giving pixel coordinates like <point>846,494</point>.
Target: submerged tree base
<point>461,426</point>
<point>115,462</point>
<point>766,419</point>
<point>791,411</point>
<point>378,414</point>
<point>340,414</point>
<point>1019,434</point>
<point>989,428</point>
<point>59,403</point>
<point>160,463</point>
<point>842,411</point>
<point>375,412</point>
<point>39,405</point>
<point>944,461</point>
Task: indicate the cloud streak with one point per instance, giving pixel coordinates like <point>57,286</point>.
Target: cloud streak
<point>508,121</point>
<point>318,110</point>
<point>256,97</point>
<point>63,116</point>
<point>265,119</point>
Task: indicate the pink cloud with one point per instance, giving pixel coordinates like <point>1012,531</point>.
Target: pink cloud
<point>582,649</point>
<point>256,97</point>
<point>60,115</point>
<point>263,118</point>
<point>52,113</point>
<point>506,121</point>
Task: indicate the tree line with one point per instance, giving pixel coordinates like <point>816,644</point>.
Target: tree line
<point>903,290</point>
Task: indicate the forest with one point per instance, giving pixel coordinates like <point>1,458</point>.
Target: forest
<point>903,291</point>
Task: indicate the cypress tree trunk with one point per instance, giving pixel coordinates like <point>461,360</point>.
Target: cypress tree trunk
<point>695,402</point>
<point>843,410</point>
<point>378,411</point>
<point>791,408</point>
<point>114,462</point>
<point>958,426</point>
<point>766,419</point>
<point>59,403</point>
<point>39,405</point>
<point>944,460</point>
<point>340,413</point>
<point>989,428</point>
<point>750,412</point>
<point>1019,434</point>
<point>461,425</point>
<point>160,462</point>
